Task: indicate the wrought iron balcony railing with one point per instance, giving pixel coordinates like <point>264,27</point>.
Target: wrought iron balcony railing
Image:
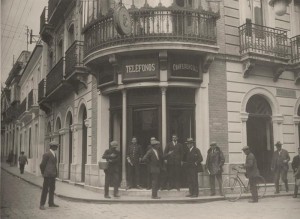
<point>295,49</point>
<point>41,90</point>
<point>55,76</point>
<point>74,57</point>
<point>43,19</point>
<point>22,107</point>
<point>154,24</point>
<point>30,99</point>
<point>52,4</point>
<point>263,40</point>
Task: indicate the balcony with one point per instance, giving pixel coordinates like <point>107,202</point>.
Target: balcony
<point>74,57</point>
<point>295,59</point>
<point>22,107</point>
<point>55,77</point>
<point>263,45</point>
<point>174,25</point>
<point>46,29</point>
<point>57,9</point>
<point>41,90</point>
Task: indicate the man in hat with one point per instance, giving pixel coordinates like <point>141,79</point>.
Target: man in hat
<point>22,161</point>
<point>113,157</point>
<point>48,169</point>
<point>280,166</point>
<point>134,156</point>
<point>149,178</point>
<point>296,169</point>
<point>173,156</point>
<point>214,165</point>
<point>154,159</point>
<point>193,159</point>
<point>252,173</point>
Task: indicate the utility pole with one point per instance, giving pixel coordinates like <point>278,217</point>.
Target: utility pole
<point>27,34</point>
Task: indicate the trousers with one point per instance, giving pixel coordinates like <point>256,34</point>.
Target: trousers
<point>283,173</point>
<point>212,183</point>
<point>111,178</point>
<point>253,188</point>
<point>48,187</point>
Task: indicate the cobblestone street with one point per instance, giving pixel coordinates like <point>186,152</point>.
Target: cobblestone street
<point>21,200</point>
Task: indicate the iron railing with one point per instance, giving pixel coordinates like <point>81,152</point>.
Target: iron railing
<point>22,107</point>
<point>41,90</point>
<point>44,18</point>
<point>55,76</point>
<point>52,4</point>
<point>154,24</point>
<point>295,49</point>
<point>74,57</point>
<point>263,40</point>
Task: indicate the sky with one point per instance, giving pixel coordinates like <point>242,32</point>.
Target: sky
<point>15,16</point>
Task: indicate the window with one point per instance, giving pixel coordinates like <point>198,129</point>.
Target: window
<point>29,144</point>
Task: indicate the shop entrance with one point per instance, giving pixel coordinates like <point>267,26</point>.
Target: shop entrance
<point>260,134</point>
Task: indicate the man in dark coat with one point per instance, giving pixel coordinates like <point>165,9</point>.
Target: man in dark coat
<point>149,178</point>
<point>280,166</point>
<point>112,156</point>
<point>192,160</point>
<point>48,168</point>
<point>173,156</point>
<point>22,161</point>
<point>214,166</point>
<point>134,156</point>
<point>296,169</point>
<point>154,159</point>
<point>252,173</point>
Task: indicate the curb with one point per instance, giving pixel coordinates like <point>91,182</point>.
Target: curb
<point>142,201</point>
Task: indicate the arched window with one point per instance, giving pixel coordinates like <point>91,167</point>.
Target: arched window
<point>257,105</point>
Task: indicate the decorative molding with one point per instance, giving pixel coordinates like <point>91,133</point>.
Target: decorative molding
<point>163,59</point>
<point>248,67</point>
<point>63,131</point>
<point>87,123</point>
<point>163,90</point>
<point>297,120</point>
<point>244,116</point>
<point>277,72</point>
<point>76,127</point>
<point>208,59</point>
<point>278,119</point>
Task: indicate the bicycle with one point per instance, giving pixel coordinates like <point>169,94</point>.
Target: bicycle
<point>233,186</point>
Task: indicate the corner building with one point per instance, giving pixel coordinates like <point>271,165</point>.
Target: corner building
<point>225,72</point>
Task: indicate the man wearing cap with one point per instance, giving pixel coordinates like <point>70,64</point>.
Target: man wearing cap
<point>173,156</point>
<point>193,159</point>
<point>252,173</point>
<point>214,165</point>
<point>149,178</point>
<point>112,156</point>
<point>154,158</point>
<point>49,171</point>
<point>296,169</point>
<point>280,166</point>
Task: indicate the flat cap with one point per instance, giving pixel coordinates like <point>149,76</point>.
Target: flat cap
<point>245,148</point>
<point>213,143</point>
<point>278,144</point>
<point>114,144</point>
<point>53,143</point>
<point>189,140</point>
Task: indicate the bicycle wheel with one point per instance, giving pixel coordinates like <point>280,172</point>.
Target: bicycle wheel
<point>261,186</point>
<point>232,189</point>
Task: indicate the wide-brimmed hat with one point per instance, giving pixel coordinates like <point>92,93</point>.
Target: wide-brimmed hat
<point>114,144</point>
<point>189,140</point>
<point>278,144</point>
<point>213,143</point>
<point>245,148</point>
<point>54,143</point>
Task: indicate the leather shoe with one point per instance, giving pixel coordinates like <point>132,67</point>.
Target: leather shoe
<point>194,196</point>
<point>155,197</point>
<point>107,196</point>
<point>138,187</point>
<point>42,207</point>
<point>294,196</point>
<point>53,206</point>
<point>188,196</point>
<point>212,194</point>
<point>276,192</point>
<point>117,196</point>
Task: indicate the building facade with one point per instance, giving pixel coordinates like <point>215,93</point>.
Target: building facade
<point>225,71</point>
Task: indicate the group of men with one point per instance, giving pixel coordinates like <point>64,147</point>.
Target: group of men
<point>175,156</point>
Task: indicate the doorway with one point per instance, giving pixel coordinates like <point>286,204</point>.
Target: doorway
<point>70,142</point>
<point>260,134</point>
<point>84,145</point>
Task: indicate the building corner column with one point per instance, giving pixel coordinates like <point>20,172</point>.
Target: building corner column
<point>164,116</point>
<point>124,137</point>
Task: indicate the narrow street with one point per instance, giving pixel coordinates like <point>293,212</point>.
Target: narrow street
<point>21,200</point>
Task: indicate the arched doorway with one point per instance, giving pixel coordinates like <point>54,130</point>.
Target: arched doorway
<point>260,133</point>
<point>60,148</point>
<point>69,123</point>
<point>82,118</point>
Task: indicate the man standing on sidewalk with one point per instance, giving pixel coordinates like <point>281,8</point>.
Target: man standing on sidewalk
<point>49,171</point>
<point>252,173</point>
<point>22,161</point>
<point>113,157</point>
<point>134,156</point>
<point>280,166</point>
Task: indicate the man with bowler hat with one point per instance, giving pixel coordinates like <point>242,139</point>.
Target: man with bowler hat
<point>154,159</point>
<point>134,156</point>
<point>252,173</point>
<point>296,169</point>
<point>192,160</point>
<point>48,168</point>
<point>280,166</point>
<point>113,157</point>
<point>214,165</point>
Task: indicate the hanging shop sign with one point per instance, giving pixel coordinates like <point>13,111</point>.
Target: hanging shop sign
<point>183,67</point>
<point>122,20</point>
<point>139,68</point>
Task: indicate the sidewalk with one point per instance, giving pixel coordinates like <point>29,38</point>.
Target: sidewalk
<point>76,193</point>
